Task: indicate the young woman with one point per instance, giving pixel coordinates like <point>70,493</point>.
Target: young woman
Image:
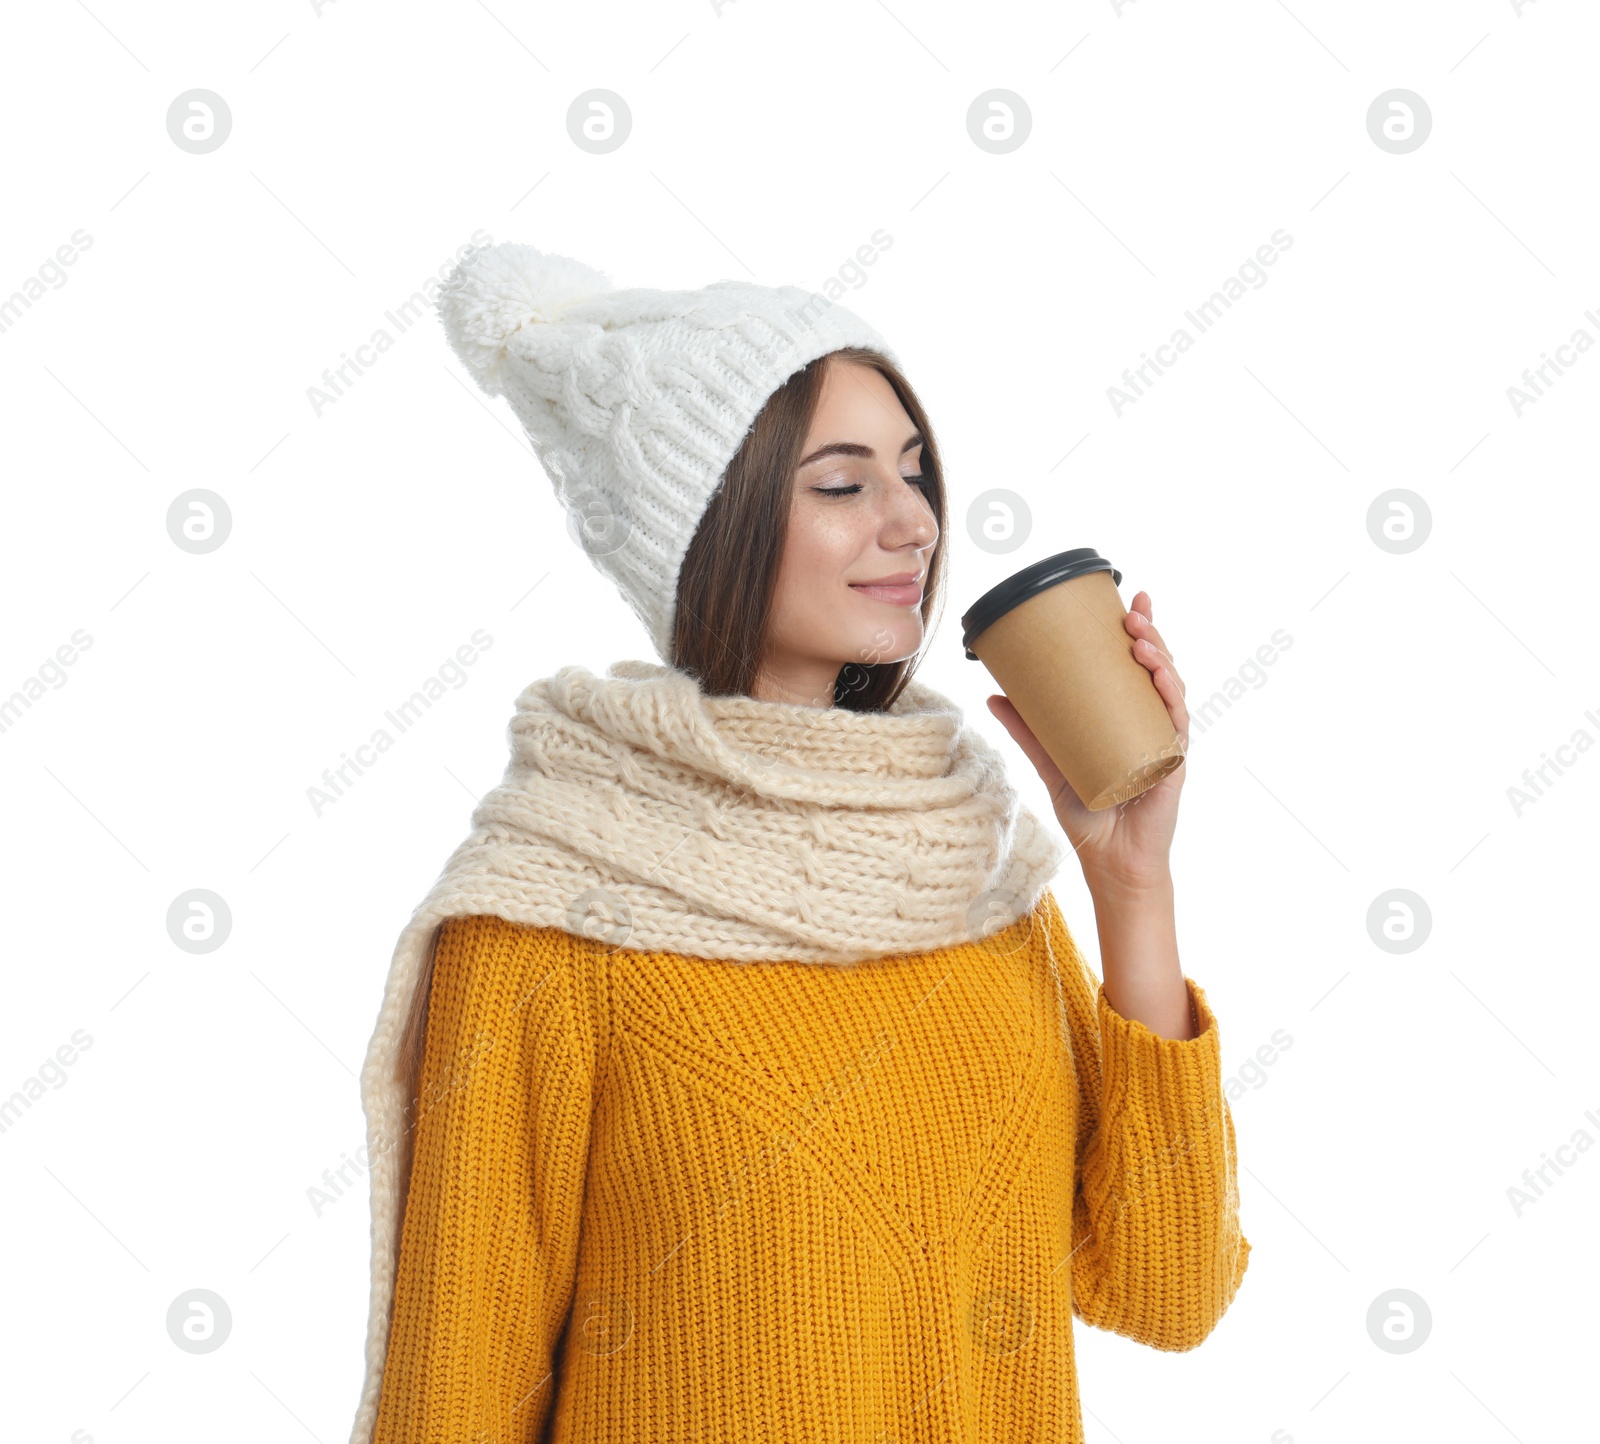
<point>740,1078</point>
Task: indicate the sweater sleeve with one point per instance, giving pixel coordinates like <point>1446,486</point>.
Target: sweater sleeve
<point>488,1251</point>
<point>1157,1251</point>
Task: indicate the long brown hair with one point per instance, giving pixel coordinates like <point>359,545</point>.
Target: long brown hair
<point>728,577</point>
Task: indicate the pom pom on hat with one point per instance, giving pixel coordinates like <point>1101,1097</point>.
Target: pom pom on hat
<point>497,290</point>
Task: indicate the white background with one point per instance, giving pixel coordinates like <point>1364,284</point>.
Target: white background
<point>369,542</point>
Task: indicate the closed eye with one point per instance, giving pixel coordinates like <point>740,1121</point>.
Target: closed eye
<point>918,480</point>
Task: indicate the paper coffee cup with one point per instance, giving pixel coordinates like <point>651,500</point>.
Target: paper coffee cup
<point>1052,636</point>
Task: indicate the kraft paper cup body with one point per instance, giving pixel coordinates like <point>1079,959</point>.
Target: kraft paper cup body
<point>1065,660</point>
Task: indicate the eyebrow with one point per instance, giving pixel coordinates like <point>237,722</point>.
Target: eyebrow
<point>855,448</point>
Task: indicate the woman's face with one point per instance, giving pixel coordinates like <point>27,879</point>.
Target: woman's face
<point>861,534</point>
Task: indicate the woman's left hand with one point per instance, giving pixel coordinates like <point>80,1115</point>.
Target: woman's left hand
<point>1126,847</point>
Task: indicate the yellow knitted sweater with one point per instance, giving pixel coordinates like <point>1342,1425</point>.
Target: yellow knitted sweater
<point>659,1198</point>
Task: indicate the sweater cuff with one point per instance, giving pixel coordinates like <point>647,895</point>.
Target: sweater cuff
<point>1176,1083</point>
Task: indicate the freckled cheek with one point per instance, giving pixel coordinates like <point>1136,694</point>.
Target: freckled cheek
<point>825,546</point>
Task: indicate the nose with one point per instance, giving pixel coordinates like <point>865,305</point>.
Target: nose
<point>908,519</point>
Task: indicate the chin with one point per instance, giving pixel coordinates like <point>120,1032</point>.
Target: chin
<point>893,641</point>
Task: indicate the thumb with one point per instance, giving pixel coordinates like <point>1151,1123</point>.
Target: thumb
<point>1005,710</point>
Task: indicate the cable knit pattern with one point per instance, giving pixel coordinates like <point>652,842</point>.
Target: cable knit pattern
<point>638,810</point>
<point>660,1199</point>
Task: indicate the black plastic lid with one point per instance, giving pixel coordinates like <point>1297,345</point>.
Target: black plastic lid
<point>1029,582</point>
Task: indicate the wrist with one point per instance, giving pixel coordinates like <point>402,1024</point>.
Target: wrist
<point>1123,889</point>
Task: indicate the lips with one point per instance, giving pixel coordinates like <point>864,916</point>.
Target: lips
<point>903,589</point>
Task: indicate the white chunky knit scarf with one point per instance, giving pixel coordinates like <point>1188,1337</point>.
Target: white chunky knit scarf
<point>642,812</point>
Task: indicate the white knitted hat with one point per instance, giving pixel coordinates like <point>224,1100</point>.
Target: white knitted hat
<point>635,400</point>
